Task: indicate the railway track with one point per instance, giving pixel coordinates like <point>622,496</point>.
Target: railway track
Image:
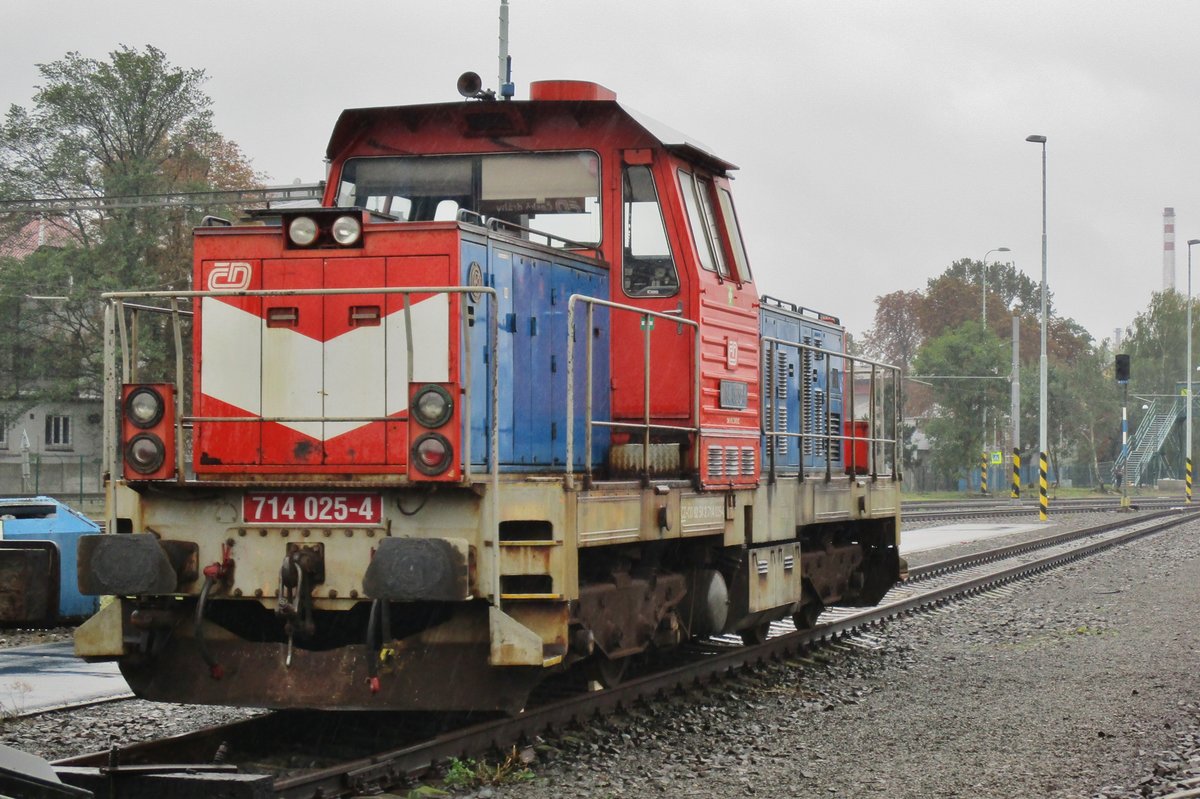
<point>995,508</point>
<point>312,755</point>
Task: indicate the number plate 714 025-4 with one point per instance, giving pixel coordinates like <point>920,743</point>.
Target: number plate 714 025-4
<point>295,507</point>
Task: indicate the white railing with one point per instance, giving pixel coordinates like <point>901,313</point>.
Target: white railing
<point>122,343</point>
<point>644,426</point>
<point>882,447</point>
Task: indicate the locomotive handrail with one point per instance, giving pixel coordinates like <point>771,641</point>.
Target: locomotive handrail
<point>770,413</point>
<point>495,223</point>
<point>115,301</point>
<point>645,425</point>
<point>130,360</point>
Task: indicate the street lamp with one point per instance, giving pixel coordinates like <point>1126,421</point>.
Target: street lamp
<point>983,464</point>
<point>1044,505</point>
<point>1187,467</point>
<point>983,280</point>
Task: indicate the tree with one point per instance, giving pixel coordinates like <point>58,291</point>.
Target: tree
<point>1157,345</point>
<point>895,337</point>
<point>936,322</point>
<point>961,364</point>
<point>132,125</point>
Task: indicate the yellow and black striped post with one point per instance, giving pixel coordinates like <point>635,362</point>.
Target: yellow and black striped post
<point>1043,509</point>
<point>983,470</point>
<point>1187,479</point>
<point>1016,483</point>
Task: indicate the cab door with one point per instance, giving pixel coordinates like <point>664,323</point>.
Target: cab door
<point>652,278</point>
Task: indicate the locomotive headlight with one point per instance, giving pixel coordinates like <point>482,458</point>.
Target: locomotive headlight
<point>431,453</point>
<point>145,453</point>
<point>346,230</point>
<point>144,407</point>
<point>302,231</point>
<point>432,406</point>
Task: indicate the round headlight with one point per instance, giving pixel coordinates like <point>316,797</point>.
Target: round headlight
<point>433,406</point>
<point>346,230</point>
<point>302,231</point>
<point>145,453</point>
<point>144,407</point>
<point>431,454</point>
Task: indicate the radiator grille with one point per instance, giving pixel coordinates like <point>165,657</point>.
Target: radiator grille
<point>732,462</point>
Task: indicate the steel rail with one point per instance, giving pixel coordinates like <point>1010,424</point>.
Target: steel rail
<point>917,573</point>
<point>995,511</point>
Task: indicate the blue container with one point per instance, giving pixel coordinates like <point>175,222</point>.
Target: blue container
<point>37,543</point>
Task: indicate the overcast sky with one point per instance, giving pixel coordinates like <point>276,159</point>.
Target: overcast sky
<point>878,141</point>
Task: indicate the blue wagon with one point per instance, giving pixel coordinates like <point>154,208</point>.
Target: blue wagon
<point>37,561</point>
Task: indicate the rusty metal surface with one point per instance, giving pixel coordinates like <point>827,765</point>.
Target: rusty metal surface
<point>444,668</point>
<point>28,581</point>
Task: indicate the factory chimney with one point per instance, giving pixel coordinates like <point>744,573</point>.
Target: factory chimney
<point>1168,249</point>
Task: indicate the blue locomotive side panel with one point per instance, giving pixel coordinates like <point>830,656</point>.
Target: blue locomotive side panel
<point>802,387</point>
<point>533,288</point>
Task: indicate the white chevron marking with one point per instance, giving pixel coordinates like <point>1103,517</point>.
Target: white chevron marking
<point>279,372</point>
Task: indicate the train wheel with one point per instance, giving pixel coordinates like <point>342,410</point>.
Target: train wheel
<point>756,634</point>
<point>806,619</point>
<point>608,673</point>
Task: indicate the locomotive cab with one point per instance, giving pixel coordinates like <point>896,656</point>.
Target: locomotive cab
<point>507,403</point>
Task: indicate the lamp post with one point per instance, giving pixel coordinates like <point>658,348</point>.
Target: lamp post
<point>983,280</point>
<point>1187,465</point>
<point>1044,501</point>
<point>983,464</point>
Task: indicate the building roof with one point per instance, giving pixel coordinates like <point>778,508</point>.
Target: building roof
<point>37,233</point>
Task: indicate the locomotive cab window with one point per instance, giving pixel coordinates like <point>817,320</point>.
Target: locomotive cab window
<point>733,234</point>
<point>647,268</point>
<point>697,199</point>
<point>553,193</point>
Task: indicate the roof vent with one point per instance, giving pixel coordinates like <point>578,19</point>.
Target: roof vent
<point>569,90</point>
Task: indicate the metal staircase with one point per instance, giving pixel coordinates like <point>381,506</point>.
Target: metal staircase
<point>1155,426</point>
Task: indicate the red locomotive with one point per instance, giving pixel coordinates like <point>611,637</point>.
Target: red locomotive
<point>508,403</point>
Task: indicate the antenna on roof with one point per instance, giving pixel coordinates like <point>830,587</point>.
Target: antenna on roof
<point>507,89</point>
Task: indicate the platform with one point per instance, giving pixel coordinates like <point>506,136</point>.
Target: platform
<point>34,679</point>
<point>948,535</point>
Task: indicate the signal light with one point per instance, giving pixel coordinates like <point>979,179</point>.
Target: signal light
<point>1122,368</point>
<point>431,454</point>
<point>433,432</point>
<point>148,431</point>
<point>432,406</point>
<point>144,406</point>
<point>145,453</point>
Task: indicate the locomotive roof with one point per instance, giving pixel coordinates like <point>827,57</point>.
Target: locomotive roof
<point>547,96</point>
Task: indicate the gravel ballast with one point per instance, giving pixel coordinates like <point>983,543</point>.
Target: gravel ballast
<point>1081,682</point>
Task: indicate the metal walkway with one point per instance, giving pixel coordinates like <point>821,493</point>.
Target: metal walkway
<point>1151,434</point>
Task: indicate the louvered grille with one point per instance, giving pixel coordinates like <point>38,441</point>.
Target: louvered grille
<point>748,462</point>
<point>780,409</point>
<point>808,377</point>
<point>716,462</point>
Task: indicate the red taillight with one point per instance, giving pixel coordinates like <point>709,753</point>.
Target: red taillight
<point>433,431</point>
<point>432,454</point>
<point>148,431</point>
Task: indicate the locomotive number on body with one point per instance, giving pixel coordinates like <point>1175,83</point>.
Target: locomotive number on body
<point>286,507</point>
